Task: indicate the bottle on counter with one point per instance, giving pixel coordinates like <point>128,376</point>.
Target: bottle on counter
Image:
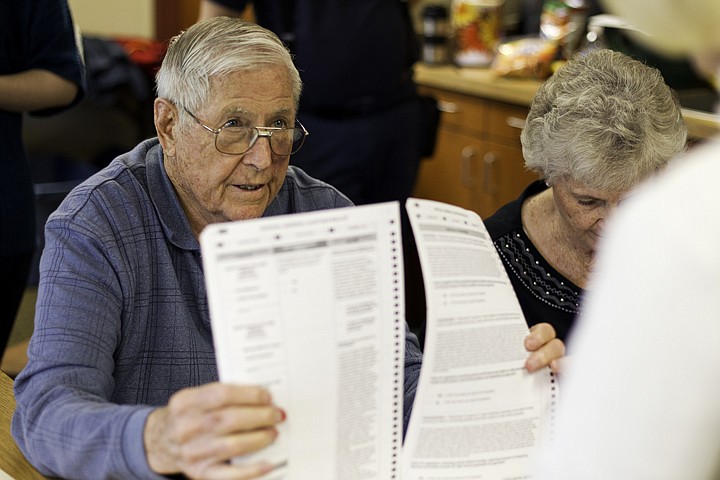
<point>564,21</point>
<point>435,35</point>
<point>477,27</point>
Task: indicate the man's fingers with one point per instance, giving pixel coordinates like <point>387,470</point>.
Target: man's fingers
<point>214,449</point>
<point>229,471</point>
<point>217,395</point>
<point>208,425</point>
<point>234,419</point>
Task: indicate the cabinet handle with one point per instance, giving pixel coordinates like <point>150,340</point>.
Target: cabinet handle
<point>447,107</point>
<point>488,162</point>
<point>466,156</point>
<point>515,122</point>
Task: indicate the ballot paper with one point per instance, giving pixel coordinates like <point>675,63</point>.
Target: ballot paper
<point>478,414</point>
<point>311,307</point>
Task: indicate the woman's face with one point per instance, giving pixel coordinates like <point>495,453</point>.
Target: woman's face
<point>583,211</point>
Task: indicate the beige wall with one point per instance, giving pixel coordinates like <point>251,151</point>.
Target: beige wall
<point>132,18</point>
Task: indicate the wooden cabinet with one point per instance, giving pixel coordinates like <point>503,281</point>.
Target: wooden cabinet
<point>478,161</point>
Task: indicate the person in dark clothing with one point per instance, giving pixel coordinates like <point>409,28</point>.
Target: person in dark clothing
<point>359,100</point>
<point>41,72</point>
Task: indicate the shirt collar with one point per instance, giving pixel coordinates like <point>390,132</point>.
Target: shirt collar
<point>166,202</point>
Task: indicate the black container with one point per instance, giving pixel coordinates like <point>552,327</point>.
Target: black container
<point>435,35</point>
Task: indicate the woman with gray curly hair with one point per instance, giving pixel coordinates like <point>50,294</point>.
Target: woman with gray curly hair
<point>600,125</point>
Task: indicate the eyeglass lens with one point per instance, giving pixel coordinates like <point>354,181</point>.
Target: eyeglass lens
<point>237,140</point>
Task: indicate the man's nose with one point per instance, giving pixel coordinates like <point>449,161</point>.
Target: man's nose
<point>260,154</point>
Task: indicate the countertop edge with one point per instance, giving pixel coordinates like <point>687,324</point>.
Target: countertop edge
<point>482,82</point>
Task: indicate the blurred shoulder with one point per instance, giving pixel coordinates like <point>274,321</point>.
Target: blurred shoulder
<point>685,192</point>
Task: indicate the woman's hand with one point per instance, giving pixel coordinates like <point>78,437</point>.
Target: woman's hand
<point>546,349</point>
<point>202,428</point>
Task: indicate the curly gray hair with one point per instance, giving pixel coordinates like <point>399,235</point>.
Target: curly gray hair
<point>605,120</point>
<point>218,46</point>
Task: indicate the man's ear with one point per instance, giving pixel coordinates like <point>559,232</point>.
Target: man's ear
<point>166,121</point>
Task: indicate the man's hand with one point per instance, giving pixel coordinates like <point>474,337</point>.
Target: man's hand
<point>546,350</point>
<point>203,427</point>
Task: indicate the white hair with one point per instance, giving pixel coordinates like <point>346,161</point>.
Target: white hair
<point>215,47</point>
<point>605,120</point>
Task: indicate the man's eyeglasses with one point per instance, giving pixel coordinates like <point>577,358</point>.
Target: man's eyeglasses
<point>235,140</point>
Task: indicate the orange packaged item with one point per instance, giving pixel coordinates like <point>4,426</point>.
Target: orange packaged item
<point>530,57</point>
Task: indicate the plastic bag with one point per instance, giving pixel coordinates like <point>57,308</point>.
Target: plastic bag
<point>529,57</point>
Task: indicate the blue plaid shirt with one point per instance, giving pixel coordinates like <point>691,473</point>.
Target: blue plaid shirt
<point>122,318</point>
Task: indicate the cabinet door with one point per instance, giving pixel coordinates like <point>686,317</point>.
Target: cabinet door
<point>505,122</point>
<point>503,167</point>
<point>500,176</point>
<point>478,162</point>
<point>448,175</point>
<point>460,112</point>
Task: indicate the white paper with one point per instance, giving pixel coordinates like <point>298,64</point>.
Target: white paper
<point>478,414</point>
<point>311,306</point>
<point>5,476</point>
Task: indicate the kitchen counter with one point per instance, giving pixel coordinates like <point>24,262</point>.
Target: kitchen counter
<point>482,82</point>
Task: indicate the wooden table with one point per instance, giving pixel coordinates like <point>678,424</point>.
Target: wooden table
<point>12,461</point>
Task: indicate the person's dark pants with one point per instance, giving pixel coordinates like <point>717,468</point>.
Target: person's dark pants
<point>371,158</point>
<point>14,271</point>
